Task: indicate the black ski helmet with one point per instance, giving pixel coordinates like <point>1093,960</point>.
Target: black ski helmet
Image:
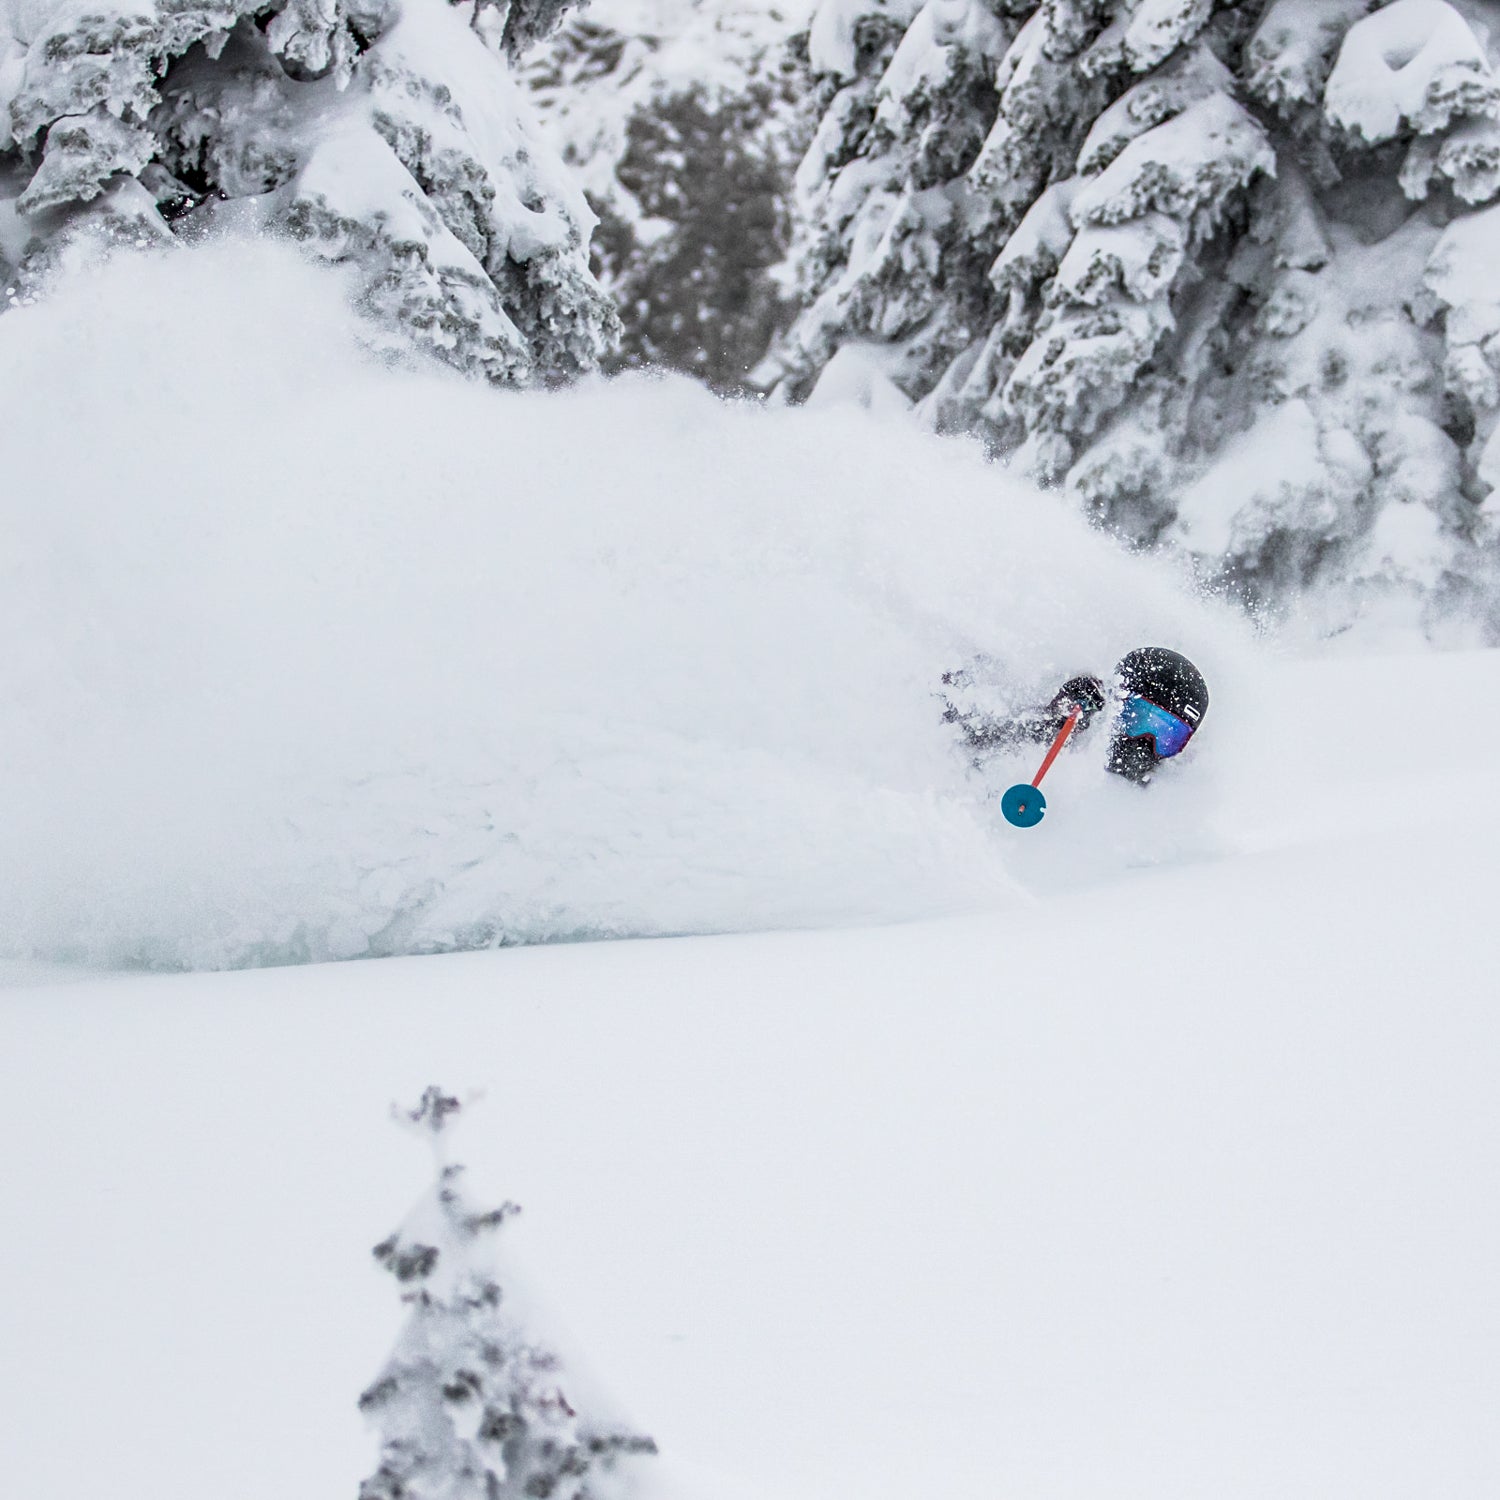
<point>1170,681</point>
<point>1167,679</point>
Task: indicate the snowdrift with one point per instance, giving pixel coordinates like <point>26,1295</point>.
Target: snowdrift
<point>304,657</point>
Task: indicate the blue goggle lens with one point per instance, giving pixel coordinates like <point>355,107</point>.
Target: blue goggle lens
<point>1139,717</point>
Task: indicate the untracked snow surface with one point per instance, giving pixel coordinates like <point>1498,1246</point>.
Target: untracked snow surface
<point>305,658</point>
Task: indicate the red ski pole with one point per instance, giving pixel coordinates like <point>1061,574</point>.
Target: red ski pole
<point>1023,805</point>
<point>1057,744</point>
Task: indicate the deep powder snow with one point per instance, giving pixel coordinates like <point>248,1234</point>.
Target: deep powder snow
<point>309,658</point>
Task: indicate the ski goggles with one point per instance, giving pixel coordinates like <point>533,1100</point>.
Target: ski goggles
<point>1138,717</point>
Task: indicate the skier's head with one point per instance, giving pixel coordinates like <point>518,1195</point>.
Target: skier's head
<point>1164,701</point>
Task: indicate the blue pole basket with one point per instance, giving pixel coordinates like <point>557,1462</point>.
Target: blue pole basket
<point>1023,805</point>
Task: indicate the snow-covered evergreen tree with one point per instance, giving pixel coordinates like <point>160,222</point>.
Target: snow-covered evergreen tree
<point>685,120</point>
<point>468,1407</point>
<point>388,135</point>
<point>1218,268</point>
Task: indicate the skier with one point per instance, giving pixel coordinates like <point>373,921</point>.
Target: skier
<point>1162,700</point>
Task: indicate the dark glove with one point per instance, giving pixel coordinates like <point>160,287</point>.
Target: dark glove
<point>1086,693</point>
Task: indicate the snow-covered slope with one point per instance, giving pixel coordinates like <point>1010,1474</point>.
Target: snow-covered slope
<point>1183,1184</point>
<point>345,661</point>
<point>1165,1168</point>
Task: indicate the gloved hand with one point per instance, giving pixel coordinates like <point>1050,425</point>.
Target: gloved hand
<point>1083,692</point>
